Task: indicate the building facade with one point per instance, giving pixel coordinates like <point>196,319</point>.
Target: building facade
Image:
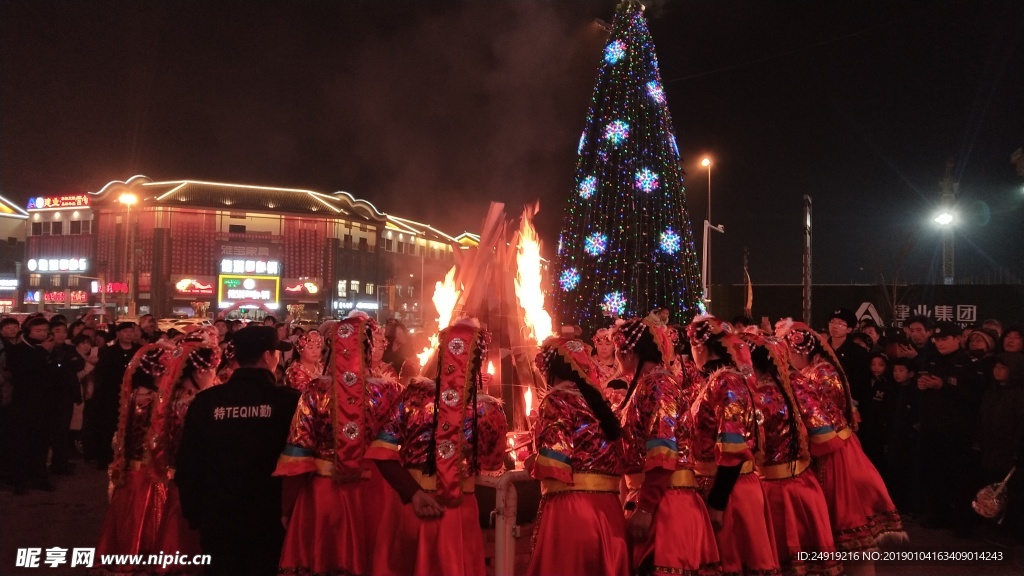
<point>190,247</point>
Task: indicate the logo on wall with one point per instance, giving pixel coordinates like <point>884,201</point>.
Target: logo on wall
<point>70,201</point>
<point>302,287</point>
<point>193,287</point>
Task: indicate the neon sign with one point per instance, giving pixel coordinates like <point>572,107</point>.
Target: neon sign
<point>58,264</point>
<point>70,201</point>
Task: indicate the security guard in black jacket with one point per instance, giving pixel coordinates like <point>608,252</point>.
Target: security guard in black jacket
<point>232,437</point>
<point>949,393</point>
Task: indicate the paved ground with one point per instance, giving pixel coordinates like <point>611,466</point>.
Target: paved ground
<point>71,517</point>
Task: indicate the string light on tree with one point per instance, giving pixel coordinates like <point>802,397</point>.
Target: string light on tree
<point>569,279</point>
<point>646,180</point>
<point>617,132</point>
<point>635,217</point>
<point>588,187</point>
<point>595,244</point>
<point>670,242</point>
<point>656,91</point>
<point>614,52</point>
<point>615,303</point>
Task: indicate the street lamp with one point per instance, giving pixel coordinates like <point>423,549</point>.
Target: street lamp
<point>706,272</point>
<point>947,219</point>
<point>127,199</point>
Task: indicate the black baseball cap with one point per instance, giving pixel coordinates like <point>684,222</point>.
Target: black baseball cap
<point>124,326</point>
<point>846,315</point>
<point>945,329</point>
<point>251,341</point>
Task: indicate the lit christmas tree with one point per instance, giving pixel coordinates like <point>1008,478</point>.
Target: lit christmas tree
<point>626,246</point>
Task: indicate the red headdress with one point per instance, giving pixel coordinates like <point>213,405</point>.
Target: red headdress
<point>626,334</point>
<point>310,338</point>
<point>152,360</point>
<point>351,343</point>
<point>460,353</point>
<point>803,339</point>
<point>199,350</point>
<point>574,353</point>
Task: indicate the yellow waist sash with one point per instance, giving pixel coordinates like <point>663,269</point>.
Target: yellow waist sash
<point>429,483</point>
<point>582,483</point>
<point>326,468</point>
<point>136,465</point>
<point>783,471</point>
<point>845,433</point>
<point>684,478</point>
<point>710,468</point>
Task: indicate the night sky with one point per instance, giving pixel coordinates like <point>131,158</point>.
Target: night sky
<point>432,109</point>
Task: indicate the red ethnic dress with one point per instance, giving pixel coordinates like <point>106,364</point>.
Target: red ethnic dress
<point>452,544</point>
<point>133,517</point>
<point>334,524</point>
<point>299,376</point>
<point>580,526</point>
<point>657,443</point>
<point>860,509</point>
<point>726,433</point>
<point>798,509</point>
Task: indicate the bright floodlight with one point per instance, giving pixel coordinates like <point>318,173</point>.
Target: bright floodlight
<point>705,162</point>
<point>944,219</point>
<point>128,198</point>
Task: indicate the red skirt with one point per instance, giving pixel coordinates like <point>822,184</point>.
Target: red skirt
<point>452,545</point>
<point>800,520</point>
<point>327,531</point>
<point>580,533</point>
<point>132,523</point>
<point>746,541</point>
<point>681,539</point>
<point>175,535</point>
<point>859,506</point>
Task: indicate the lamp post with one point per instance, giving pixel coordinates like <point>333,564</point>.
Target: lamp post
<point>127,199</point>
<point>706,271</point>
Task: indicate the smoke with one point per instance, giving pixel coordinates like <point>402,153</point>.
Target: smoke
<point>468,103</point>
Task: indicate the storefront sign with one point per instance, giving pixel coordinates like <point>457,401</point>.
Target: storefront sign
<point>234,288</point>
<point>8,284</point>
<point>70,201</point>
<point>367,305</point>
<point>194,287</point>
<point>58,264</point>
<point>6,302</point>
<point>111,287</point>
<point>245,258</point>
<point>73,298</point>
<point>301,288</point>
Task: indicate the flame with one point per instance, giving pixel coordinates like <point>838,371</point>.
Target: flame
<point>528,279</point>
<point>528,399</point>
<point>490,368</point>
<point>444,299</point>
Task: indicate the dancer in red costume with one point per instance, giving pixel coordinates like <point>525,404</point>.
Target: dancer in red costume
<point>379,368</point>
<point>863,516</point>
<point>441,434</point>
<point>663,500</point>
<point>330,507</point>
<point>728,438</point>
<point>191,369</point>
<point>580,528</point>
<point>307,366</point>
<point>132,522</point>
<point>798,509</point>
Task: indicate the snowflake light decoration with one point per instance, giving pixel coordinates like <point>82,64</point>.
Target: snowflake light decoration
<point>614,51</point>
<point>595,244</point>
<point>617,132</point>
<point>647,180</point>
<point>615,302</point>
<point>569,279</point>
<point>670,242</point>
<point>588,187</point>
<point>656,91</point>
